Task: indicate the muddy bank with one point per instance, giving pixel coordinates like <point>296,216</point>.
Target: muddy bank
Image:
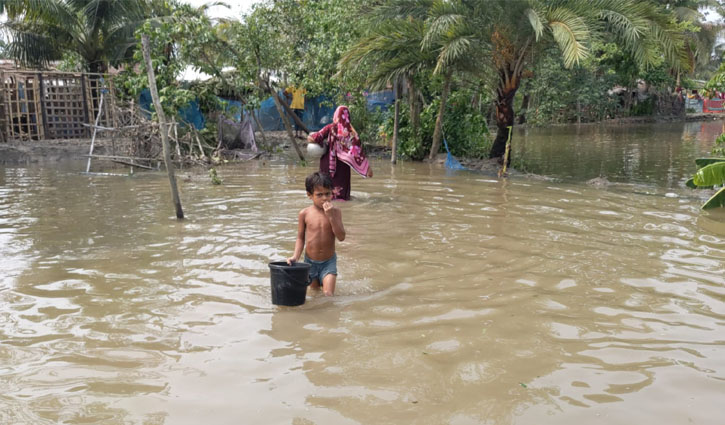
<point>39,151</point>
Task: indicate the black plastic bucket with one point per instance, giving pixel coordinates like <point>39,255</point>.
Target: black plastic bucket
<point>289,282</point>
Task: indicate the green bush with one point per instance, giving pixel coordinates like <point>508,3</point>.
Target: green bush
<point>464,127</point>
<point>367,123</point>
<point>643,108</point>
<point>719,148</point>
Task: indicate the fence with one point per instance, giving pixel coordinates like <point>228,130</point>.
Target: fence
<point>53,105</point>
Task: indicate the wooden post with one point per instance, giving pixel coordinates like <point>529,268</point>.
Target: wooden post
<point>44,114</point>
<point>86,118</point>
<point>162,122</point>
<point>15,109</point>
<point>176,139</point>
<point>6,110</point>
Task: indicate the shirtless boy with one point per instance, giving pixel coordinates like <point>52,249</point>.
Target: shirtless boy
<point>317,227</point>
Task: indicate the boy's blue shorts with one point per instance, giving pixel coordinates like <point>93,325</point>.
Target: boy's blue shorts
<point>320,269</point>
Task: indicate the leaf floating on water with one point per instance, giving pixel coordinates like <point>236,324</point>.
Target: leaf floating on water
<point>425,353</point>
<point>523,385</point>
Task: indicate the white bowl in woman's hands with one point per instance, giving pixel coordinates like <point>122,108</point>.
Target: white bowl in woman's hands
<point>314,150</point>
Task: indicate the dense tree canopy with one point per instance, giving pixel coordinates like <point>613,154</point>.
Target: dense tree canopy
<point>556,60</point>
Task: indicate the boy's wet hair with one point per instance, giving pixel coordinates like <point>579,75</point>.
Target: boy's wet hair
<point>317,179</point>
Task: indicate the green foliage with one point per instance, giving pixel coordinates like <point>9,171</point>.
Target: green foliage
<point>215,179</point>
<point>408,146</point>
<point>643,108</point>
<point>366,123</point>
<point>716,201</point>
<point>71,62</point>
<point>464,127</point>
<point>99,31</point>
<point>711,173</point>
<point>559,94</point>
<point>703,162</point>
<point>717,81</point>
<point>719,148</point>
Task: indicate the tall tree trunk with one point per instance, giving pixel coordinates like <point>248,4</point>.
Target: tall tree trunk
<point>264,86</point>
<point>98,67</point>
<point>413,108</point>
<point>396,117</point>
<point>438,131</point>
<point>504,120</point>
<point>162,124</point>
<point>524,108</point>
<point>578,111</point>
<point>291,114</point>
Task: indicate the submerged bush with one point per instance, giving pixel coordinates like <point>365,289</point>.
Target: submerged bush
<point>464,127</point>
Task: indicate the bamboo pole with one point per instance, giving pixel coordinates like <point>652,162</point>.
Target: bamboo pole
<point>507,152</point>
<point>162,121</point>
<point>394,153</point>
<point>176,139</point>
<point>95,130</point>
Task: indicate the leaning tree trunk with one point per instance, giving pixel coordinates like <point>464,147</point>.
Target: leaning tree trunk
<point>291,114</point>
<point>287,125</point>
<point>438,131</point>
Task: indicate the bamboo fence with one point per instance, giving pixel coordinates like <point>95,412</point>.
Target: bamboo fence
<point>36,105</point>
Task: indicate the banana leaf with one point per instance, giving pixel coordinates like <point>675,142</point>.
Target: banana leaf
<point>691,184</point>
<point>710,175</point>
<point>701,162</point>
<point>717,200</point>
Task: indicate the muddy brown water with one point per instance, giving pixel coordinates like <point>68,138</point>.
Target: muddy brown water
<point>461,299</point>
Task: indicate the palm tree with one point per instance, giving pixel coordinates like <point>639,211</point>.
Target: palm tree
<point>452,35</point>
<point>99,31</point>
<point>414,36</point>
<point>392,52</point>
<point>499,40</point>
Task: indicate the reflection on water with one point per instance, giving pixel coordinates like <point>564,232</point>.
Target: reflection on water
<point>462,299</point>
<point>661,154</point>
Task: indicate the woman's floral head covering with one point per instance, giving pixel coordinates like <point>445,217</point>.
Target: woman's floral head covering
<point>342,119</point>
<point>344,143</point>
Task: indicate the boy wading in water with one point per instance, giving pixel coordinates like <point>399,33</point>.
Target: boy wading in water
<point>317,227</point>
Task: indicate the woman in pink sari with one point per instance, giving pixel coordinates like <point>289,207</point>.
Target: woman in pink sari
<point>344,151</point>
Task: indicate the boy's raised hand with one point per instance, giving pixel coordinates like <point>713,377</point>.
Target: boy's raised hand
<point>328,207</point>
<point>331,211</point>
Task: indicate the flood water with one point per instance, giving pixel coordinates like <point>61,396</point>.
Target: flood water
<point>461,299</point>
